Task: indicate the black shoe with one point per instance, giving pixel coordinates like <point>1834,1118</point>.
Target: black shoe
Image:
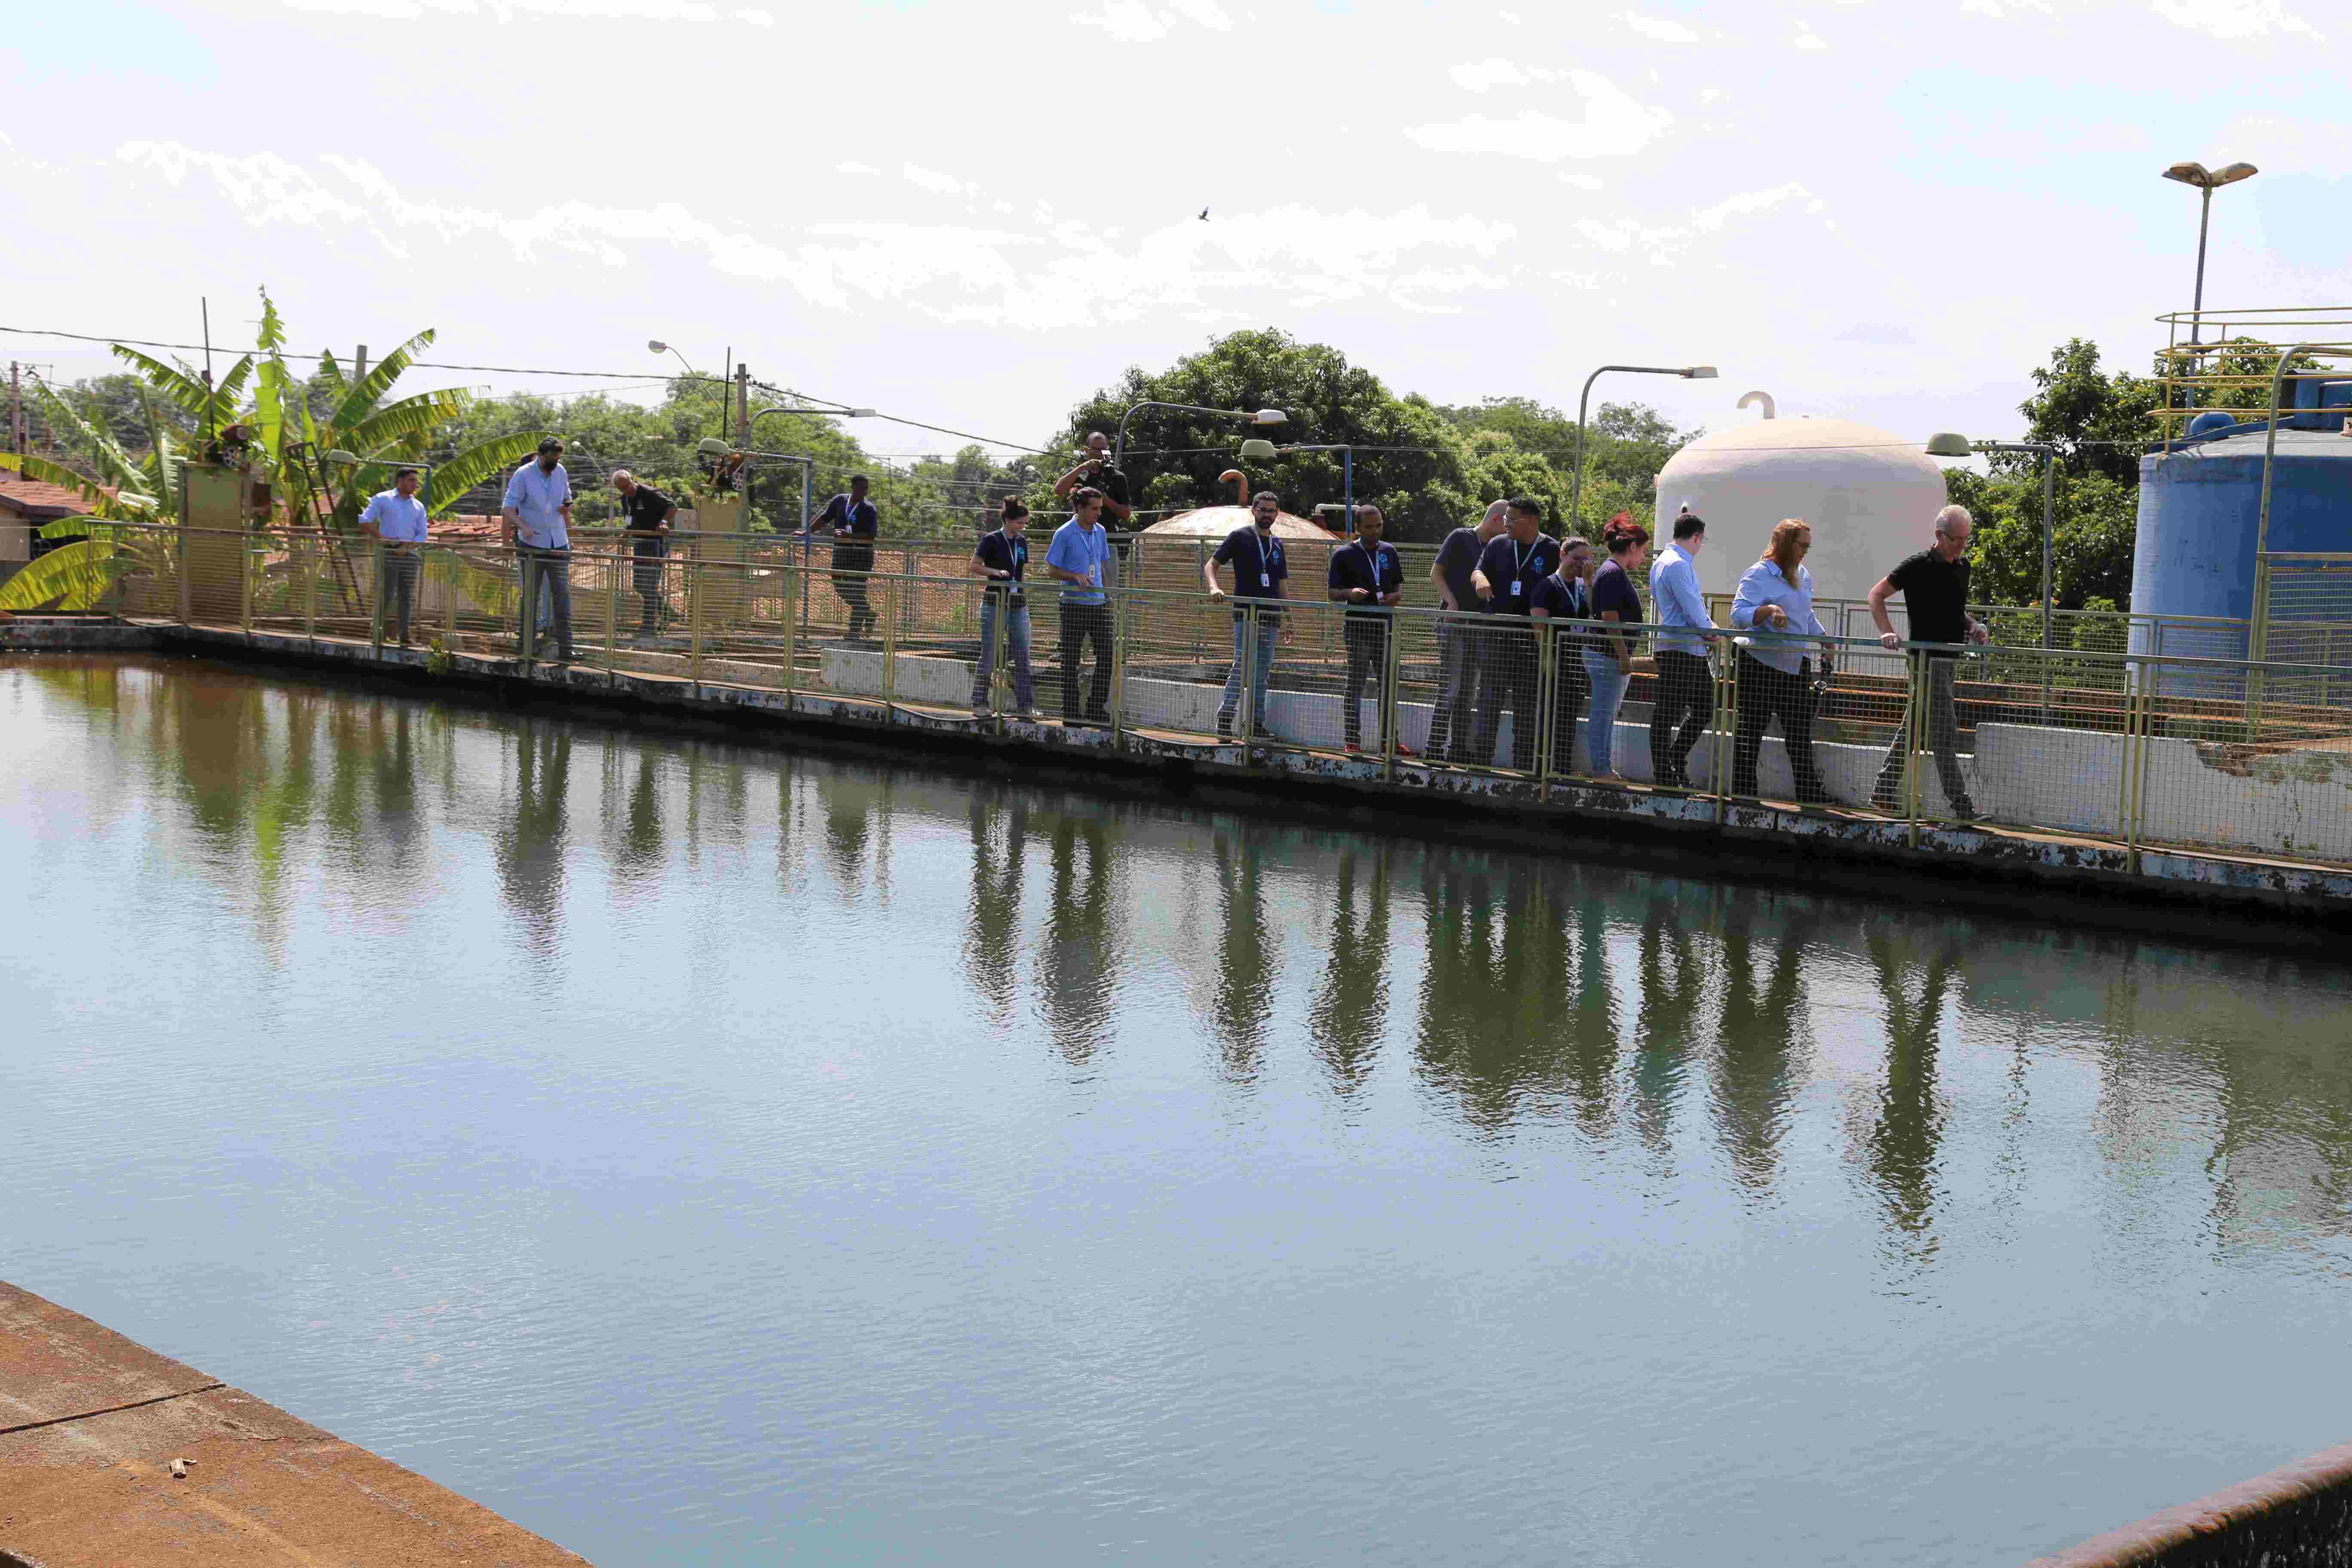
<point>1883,798</point>
<point>1224,726</point>
<point>1260,732</point>
<point>1965,810</point>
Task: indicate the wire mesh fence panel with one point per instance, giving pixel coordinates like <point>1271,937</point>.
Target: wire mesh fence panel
<point>2263,769</point>
<point>1176,651</point>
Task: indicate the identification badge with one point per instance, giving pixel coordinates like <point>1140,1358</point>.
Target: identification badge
<point>1518,586</point>
<point>1266,579</point>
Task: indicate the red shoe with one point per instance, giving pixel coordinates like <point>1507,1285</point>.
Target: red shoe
<point>1353,750</point>
<point>1405,751</point>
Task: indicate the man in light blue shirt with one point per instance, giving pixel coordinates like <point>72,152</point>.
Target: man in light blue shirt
<point>538,514</point>
<point>395,519</point>
<point>1686,684</point>
<point>1775,606</point>
<point>1078,558</point>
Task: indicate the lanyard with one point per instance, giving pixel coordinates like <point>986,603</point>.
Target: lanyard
<point>1518,559</point>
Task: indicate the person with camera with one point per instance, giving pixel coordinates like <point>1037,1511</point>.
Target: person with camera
<point>1002,558</point>
<point>1935,588</point>
<point>1094,469</point>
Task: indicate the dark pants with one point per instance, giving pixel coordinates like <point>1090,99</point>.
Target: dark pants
<point>1943,739</point>
<point>1766,694</point>
<point>649,588</point>
<point>548,570</point>
<point>1367,655</point>
<point>1082,623</point>
<point>395,593</point>
<point>851,562</point>
<point>1507,677</point>
<point>1452,721</point>
<point>1570,688</point>
<point>1685,699</point>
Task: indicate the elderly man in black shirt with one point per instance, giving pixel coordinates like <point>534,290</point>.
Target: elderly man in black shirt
<point>1505,580</point>
<point>1095,469</point>
<point>645,518</point>
<point>1935,588</point>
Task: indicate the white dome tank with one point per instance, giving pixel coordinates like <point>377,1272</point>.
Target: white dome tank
<point>1871,495</point>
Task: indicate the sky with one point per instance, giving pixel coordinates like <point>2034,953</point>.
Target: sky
<point>976,214</point>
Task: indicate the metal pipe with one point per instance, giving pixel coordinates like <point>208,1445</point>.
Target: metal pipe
<point>1576,493</point>
<point>1118,444</point>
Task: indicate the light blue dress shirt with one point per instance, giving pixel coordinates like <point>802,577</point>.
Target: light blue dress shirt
<point>1673,593</point>
<point>399,517</point>
<point>1763,584</point>
<point>539,497</point>
<point>1083,550</point>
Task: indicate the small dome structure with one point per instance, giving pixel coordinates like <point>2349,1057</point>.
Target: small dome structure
<point>1871,495</point>
<point>1216,522</point>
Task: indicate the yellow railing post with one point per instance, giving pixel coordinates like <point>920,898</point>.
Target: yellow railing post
<point>694,597</point>
<point>2134,693</point>
<point>891,613</point>
<point>1120,630</point>
<point>451,592</point>
<point>375,613</point>
<point>612,607</point>
<point>1547,682</point>
<point>1000,653</point>
<point>311,557</point>
<point>1916,726</point>
<point>1727,710</point>
<point>1245,700</point>
<point>1391,714</point>
<point>792,626</point>
<point>244,556</point>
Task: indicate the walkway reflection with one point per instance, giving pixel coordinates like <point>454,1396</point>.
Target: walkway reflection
<point>1248,962</point>
<point>1755,1082</point>
<point>1350,1008</point>
<point>992,934</point>
<point>529,842</point>
<point>1077,952</point>
<point>1905,1141</point>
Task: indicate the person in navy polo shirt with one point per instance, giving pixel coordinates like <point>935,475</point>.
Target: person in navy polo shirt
<point>1260,568</point>
<point>1505,582</point>
<point>1002,558</point>
<point>854,523</point>
<point>1368,576</point>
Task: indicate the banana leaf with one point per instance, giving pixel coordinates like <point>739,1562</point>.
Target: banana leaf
<point>76,576</point>
<point>469,467</point>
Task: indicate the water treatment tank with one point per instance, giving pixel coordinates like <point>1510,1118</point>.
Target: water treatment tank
<point>1871,495</point>
<point>2199,514</point>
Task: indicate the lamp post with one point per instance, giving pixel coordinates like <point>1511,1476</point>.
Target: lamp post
<point>2206,181</point>
<point>1687,372</point>
<point>1261,416</point>
<point>1948,445</point>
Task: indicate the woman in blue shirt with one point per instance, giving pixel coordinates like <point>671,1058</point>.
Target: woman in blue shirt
<point>1775,605</point>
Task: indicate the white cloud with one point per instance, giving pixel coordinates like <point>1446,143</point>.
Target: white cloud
<point>1204,13</point>
<point>1582,181</point>
<point>1629,235</point>
<point>1135,21</point>
<point>854,167</point>
<point>2233,19</point>
<point>2001,10</point>
<point>1809,39</point>
<point>932,180</point>
<point>504,11</point>
<point>1510,16</point>
<point>1614,125</point>
<point>1482,76</point>
<point>1660,29</point>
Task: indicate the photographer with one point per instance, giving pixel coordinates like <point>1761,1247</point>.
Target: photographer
<point>1094,469</point>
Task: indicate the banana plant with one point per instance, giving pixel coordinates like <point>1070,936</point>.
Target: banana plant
<point>117,540</point>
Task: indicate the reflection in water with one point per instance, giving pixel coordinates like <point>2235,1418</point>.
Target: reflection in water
<point>1756,1077</point>
<point>1246,963</point>
<point>992,934</point>
<point>1350,1008</point>
<point>1673,978</point>
<point>1077,956</point>
<point>1907,1138</point>
<point>529,844</point>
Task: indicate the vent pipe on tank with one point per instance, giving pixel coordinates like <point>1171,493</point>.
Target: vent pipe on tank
<point>1763,397</point>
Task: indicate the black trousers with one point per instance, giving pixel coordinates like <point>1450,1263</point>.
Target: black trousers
<point>1766,694</point>
<point>648,572</point>
<point>1506,679</point>
<point>1570,689</point>
<point>398,590</point>
<point>851,562</point>
<point>1685,699</point>
<point>1453,719</point>
<point>1367,655</point>
<point>1084,623</point>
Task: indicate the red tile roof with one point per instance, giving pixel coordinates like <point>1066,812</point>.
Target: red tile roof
<point>42,502</point>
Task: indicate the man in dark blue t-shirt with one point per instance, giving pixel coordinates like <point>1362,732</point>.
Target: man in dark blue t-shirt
<point>854,523</point>
<point>1002,558</point>
<point>1368,576</point>
<point>1505,581</point>
<point>1260,568</point>
<point>1451,724</point>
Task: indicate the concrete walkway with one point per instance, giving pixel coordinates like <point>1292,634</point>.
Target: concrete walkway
<point>89,1423</point>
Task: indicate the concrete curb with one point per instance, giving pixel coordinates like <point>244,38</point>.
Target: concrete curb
<point>2297,1516</point>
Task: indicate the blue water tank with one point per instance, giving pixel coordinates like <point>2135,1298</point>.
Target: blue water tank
<point>2200,511</point>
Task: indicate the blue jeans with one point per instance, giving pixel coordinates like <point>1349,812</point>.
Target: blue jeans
<point>1268,628</point>
<point>1609,685</point>
<point>1016,653</point>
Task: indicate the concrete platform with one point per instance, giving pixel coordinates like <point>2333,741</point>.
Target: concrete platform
<point>89,1423</point>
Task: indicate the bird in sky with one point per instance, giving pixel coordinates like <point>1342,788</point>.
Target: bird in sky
<point>1205,214</point>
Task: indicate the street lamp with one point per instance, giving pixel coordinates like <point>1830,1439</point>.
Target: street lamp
<point>2206,181</point>
<point>1947,443</point>
<point>660,347</point>
<point>1263,416</point>
<point>1687,372</point>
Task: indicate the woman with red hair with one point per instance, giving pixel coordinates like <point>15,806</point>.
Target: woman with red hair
<point>1775,606</point>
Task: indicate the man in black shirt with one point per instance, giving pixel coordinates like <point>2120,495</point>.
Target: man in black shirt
<point>1002,558</point>
<point>854,523</point>
<point>645,518</point>
<point>1368,576</point>
<point>1260,569</point>
<point>1505,581</point>
<point>1458,641</point>
<point>1935,588</point>
<point>1095,469</point>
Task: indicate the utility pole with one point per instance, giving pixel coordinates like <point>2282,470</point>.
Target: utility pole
<point>16,412</point>
<point>359,365</point>
<point>743,400</point>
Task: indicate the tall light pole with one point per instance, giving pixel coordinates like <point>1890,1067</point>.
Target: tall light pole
<point>1948,445</point>
<point>659,347</point>
<point>1687,372</point>
<point>2206,181</point>
<point>1261,416</point>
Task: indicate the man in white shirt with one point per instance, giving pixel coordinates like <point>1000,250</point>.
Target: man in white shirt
<point>538,515</point>
<point>395,520</point>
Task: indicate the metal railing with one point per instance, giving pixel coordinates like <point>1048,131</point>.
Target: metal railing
<point>2239,757</point>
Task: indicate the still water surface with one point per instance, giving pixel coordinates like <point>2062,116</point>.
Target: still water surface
<point>707,1154</point>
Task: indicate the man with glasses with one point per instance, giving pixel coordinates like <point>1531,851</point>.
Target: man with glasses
<point>536,518</point>
<point>1260,569</point>
<point>647,516</point>
<point>1935,588</point>
<point>1506,579</point>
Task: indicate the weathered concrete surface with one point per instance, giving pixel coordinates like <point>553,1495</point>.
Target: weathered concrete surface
<point>89,1423</point>
<point>2297,1516</point>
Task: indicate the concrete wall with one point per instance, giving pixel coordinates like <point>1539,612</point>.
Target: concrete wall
<point>2299,1516</point>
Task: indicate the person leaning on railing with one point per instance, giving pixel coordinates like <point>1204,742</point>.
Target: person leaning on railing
<point>1935,588</point>
<point>1609,656</point>
<point>1505,582</point>
<point>1774,603</point>
<point>1002,557</point>
<point>536,524</point>
<point>1686,695</point>
<point>1367,575</point>
<point>646,515</point>
<point>1079,550</point>
<point>1260,568</point>
<point>395,519</point>
<point>1565,596</point>
<point>1459,644</point>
